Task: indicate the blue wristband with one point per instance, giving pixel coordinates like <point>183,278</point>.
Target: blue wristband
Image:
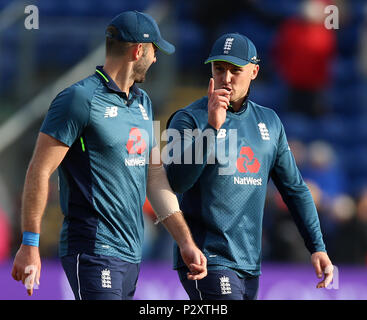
<point>31,238</point>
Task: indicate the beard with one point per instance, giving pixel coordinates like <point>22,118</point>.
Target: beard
<point>140,69</point>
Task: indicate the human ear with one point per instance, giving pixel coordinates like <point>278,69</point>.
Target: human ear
<point>137,51</point>
<point>255,72</point>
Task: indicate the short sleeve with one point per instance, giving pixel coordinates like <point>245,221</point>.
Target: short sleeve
<point>68,115</point>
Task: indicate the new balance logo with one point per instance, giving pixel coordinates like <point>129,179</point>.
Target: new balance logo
<point>225,285</point>
<point>222,133</point>
<point>228,45</point>
<point>106,278</point>
<point>264,131</point>
<point>110,112</point>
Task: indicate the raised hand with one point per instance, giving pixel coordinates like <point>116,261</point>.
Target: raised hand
<point>218,102</point>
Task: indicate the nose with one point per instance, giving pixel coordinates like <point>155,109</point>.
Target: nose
<point>227,77</point>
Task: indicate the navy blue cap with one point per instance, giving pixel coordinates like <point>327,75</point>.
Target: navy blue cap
<point>135,26</point>
<point>234,48</point>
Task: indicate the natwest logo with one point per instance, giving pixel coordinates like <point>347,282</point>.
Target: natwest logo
<point>247,163</point>
<point>136,144</point>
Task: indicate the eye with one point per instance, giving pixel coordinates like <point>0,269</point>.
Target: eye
<point>236,70</point>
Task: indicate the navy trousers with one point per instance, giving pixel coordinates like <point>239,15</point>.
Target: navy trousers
<point>96,277</point>
<point>220,285</point>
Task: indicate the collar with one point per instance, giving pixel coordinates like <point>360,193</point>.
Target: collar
<point>110,84</point>
<point>243,107</point>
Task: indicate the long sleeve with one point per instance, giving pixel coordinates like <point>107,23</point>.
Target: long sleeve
<point>190,151</point>
<point>296,195</point>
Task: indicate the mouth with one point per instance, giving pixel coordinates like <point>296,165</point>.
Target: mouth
<point>228,89</point>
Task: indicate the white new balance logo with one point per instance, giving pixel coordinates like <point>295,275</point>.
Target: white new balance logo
<point>110,112</point>
<point>222,133</point>
<point>228,45</point>
<point>106,278</point>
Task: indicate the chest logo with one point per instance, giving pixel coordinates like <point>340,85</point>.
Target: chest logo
<point>136,144</point>
<point>222,133</point>
<point>247,163</point>
<point>143,112</point>
<point>111,112</point>
<point>264,131</point>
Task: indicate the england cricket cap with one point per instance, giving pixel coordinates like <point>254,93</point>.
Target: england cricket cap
<point>234,48</point>
<point>135,26</point>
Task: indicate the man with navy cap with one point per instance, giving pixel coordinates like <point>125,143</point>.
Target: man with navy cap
<point>99,134</point>
<point>242,145</point>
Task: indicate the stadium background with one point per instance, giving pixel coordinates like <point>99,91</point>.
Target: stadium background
<point>323,107</point>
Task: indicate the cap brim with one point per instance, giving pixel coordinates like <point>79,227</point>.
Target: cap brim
<point>233,60</point>
<point>164,46</point>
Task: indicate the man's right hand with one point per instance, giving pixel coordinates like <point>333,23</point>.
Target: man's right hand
<point>218,102</point>
<point>195,261</point>
<point>27,267</point>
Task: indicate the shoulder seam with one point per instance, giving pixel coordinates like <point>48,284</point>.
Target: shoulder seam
<point>187,113</point>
